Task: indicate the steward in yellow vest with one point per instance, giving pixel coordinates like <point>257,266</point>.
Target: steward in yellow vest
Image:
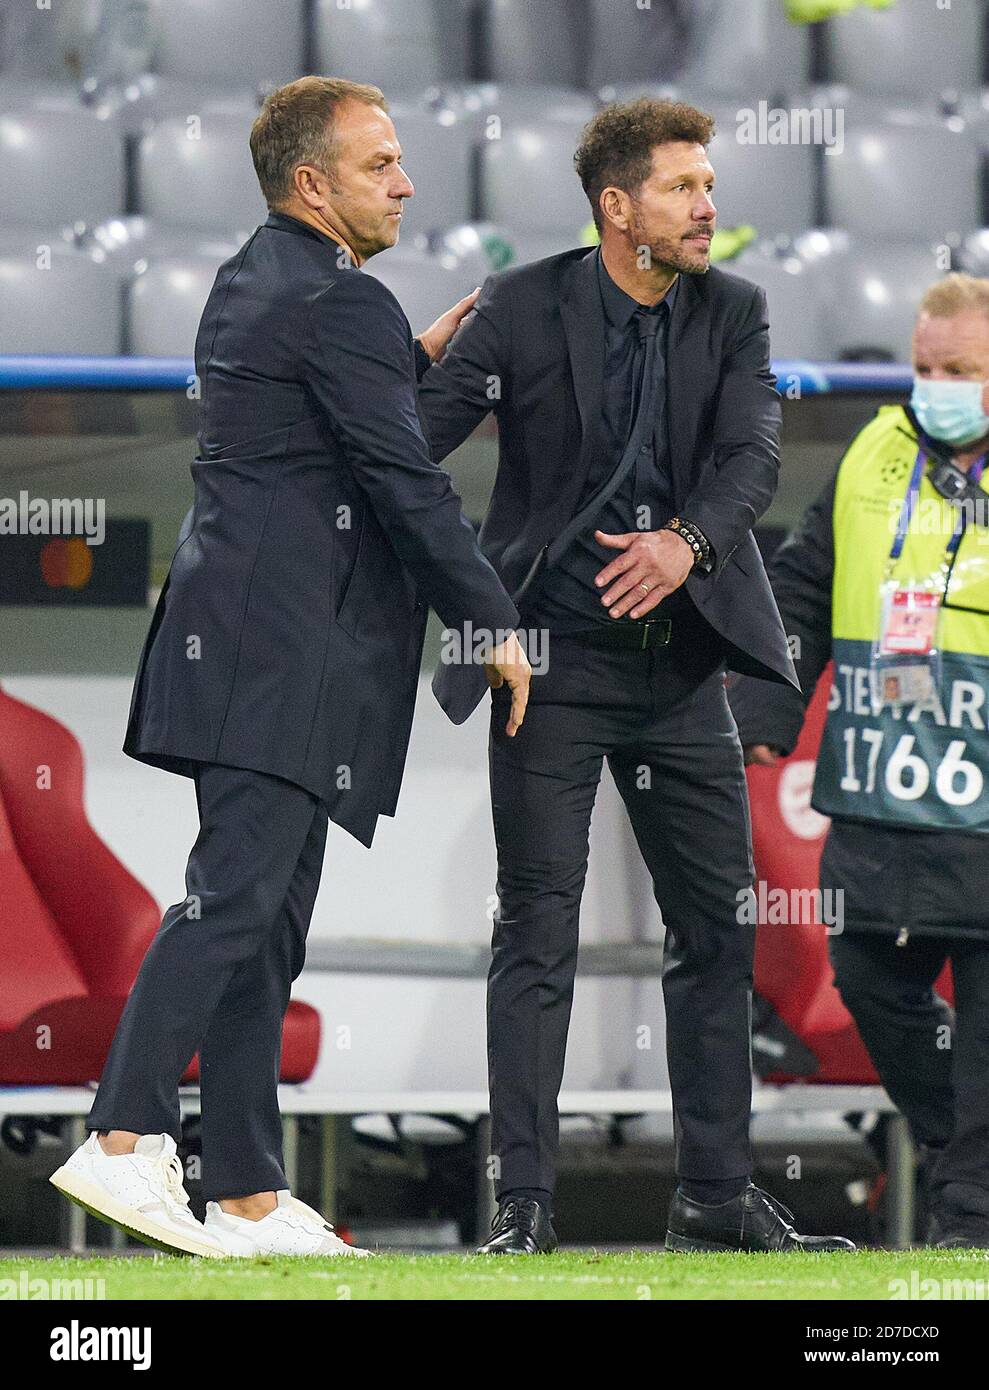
<point>888,574</point>
<point>921,760</point>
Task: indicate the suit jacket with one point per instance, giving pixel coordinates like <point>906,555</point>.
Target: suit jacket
<point>534,353</point>
<point>288,635</point>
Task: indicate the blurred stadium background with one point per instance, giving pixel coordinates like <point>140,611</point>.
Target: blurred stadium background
<point>125,180</point>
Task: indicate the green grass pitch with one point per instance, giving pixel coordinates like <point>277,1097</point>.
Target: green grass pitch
<point>568,1275</point>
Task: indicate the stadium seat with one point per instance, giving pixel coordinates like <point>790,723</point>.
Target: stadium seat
<point>425,286</point>
<point>870,310</point>
<point>541,43</point>
<point>131,243</point>
<point>973,254</point>
<point>475,102</point>
<point>659,91</point>
<point>200,174</point>
<point>879,108</point>
<point>82,159</point>
<point>527,246</point>
<point>48,42</point>
<point>528,183</point>
<point>30,242</point>
<point>437,152</point>
<point>773,187</point>
<point>746,49</point>
<point>56,299</point>
<point>795,292</point>
<point>792,969</point>
<point>473,249</point>
<point>165,303</point>
<point>20,94</point>
<point>398,47</point>
<point>74,922</point>
<point>259,44</point>
<point>479,249</point>
<point>881,180</point>
<point>136,107</point>
<point>909,48</point>
<point>973,107</point>
<point>627,44</point>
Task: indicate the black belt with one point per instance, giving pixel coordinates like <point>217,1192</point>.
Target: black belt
<point>638,637</point>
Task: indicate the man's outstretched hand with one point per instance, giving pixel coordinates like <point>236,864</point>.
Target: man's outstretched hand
<point>438,334</point>
<point>509,663</point>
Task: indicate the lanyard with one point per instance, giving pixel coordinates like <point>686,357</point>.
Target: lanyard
<point>910,500</point>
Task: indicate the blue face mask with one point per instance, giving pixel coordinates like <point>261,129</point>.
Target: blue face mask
<point>950,410</point>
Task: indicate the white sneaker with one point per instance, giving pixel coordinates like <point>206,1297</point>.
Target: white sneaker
<point>142,1193</point>
<point>291,1229</point>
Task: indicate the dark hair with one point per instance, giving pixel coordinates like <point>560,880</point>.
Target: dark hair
<point>617,145</point>
<point>295,127</point>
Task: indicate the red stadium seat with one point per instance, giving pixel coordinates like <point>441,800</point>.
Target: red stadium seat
<point>792,970</point>
<point>74,922</point>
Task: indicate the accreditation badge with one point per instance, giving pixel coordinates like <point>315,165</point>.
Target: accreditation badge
<point>906,659</point>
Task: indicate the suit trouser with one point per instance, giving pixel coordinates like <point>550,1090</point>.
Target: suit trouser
<point>662,720</point>
<point>933,1062</point>
<point>217,979</point>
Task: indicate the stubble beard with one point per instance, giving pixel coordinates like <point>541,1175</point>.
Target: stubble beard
<point>672,253</point>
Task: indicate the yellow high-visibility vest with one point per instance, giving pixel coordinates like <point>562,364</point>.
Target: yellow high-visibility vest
<point>912,766</point>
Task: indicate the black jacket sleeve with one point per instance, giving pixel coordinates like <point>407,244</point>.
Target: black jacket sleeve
<point>746,441</point>
<point>802,574</point>
<point>471,378</point>
<point>423,360</point>
<point>361,371</point>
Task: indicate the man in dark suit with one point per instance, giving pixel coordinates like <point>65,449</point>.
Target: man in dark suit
<point>638,426</point>
<point>281,666</point>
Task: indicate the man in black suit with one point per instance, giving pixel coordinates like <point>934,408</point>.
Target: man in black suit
<point>638,424</point>
<point>281,666</point>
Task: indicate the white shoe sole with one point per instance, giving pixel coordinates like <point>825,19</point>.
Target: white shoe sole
<point>350,1252</point>
<point>98,1202</point>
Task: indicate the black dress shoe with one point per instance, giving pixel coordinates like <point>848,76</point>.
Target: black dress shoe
<point>751,1221</point>
<point>959,1218</point>
<point>957,1233</point>
<point>521,1226</point>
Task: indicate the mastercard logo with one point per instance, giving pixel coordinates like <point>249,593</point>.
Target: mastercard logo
<point>67,563</point>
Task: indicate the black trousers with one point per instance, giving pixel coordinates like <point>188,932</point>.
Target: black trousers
<point>933,1062</point>
<point>217,979</point>
<point>661,719</point>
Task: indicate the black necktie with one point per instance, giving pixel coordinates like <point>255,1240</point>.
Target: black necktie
<point>647,323</point>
